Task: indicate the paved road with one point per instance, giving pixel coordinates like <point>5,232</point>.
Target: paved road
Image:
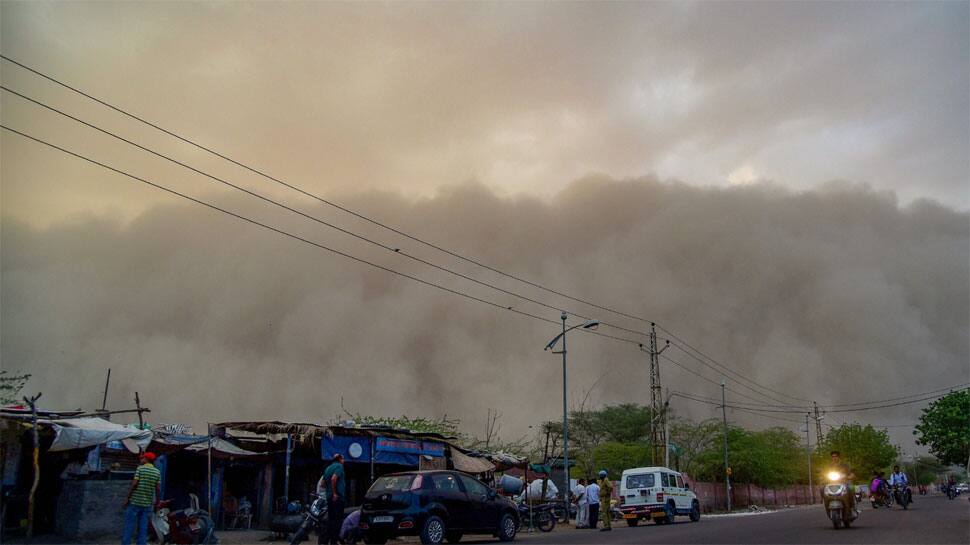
<point>932,519</point>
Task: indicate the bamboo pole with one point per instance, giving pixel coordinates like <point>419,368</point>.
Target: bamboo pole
<point>32,402</point>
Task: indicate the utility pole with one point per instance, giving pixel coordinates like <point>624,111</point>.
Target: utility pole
<point>727,468</point>
<point>916,472</point>
<point>667,431</point>
<point>808,449</point>
<point>818,425</point>
<point>658,417</point>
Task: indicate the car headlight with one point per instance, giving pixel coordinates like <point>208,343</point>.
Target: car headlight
<point>834,476</point>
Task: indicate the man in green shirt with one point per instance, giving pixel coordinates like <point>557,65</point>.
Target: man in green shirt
<point>144,491</point>
<point>333,479</point>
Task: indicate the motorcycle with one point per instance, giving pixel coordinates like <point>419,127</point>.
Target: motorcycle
<point>902,495</point>
<point>314,517</point>
<point>836,499</point>
<point>882,498</point>
<point>540,516</point>
<point>191,525</point>
<point>952,492</point>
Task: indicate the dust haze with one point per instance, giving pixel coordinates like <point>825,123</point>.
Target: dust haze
<point>838,294</point>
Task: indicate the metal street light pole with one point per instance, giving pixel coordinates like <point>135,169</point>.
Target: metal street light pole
<point>588,324</point>
<point>565,426</point>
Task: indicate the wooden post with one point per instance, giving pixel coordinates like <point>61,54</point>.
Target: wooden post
<point>208,503</point>
<point>141,420</point>
<point>32,401</point>
<point>104,400</point>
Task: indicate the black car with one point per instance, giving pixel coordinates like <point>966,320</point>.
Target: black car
<point>437,506</point>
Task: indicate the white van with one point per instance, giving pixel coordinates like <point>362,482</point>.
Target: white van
<point>656,493</point>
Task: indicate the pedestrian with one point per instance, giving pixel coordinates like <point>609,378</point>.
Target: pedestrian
<point>144,491</point>
<point>606,499</point>
<point>350,529</point>
<point>582,504</point>
<point>333,479</point>
<point>593,500</point>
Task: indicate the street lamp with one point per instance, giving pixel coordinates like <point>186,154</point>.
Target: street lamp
<point>588,324</point>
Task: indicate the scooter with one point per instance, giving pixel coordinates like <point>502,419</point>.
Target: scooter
<point>314,517</point>
<point>836,499</point>
<point>185,526</point>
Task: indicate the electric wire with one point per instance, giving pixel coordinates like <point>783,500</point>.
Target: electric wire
<point>303,214</point>
<point>711,401</point>
<point>393,229</point>
<point>297,237</point>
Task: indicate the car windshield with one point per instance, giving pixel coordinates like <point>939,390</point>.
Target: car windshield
<point>643,480</point>
<point>392,483</point>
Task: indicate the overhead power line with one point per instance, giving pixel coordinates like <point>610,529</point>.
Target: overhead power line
<point>400,232</point>
<point>714,382</point>
<point>297,237</point>
<point>303,214</point>
<point>715,402</point>
<point>696,354</point>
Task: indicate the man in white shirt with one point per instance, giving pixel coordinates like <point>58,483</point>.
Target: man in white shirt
<point>593,501</point>
<point>582,504</point>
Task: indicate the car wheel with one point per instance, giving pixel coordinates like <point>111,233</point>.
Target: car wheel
<point>695,511</point>
<point>506,528</point>
<point>433,531</point>
<point>453,536</point>
<point>632,522</point>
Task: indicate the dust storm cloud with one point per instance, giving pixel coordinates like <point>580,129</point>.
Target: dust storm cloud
<point>837,294</point>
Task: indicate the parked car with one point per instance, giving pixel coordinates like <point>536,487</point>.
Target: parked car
<point>656,493</point>
<point>436,506</point>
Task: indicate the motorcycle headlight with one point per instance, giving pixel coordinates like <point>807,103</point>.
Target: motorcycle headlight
<point>835,489</point>
<point>316,508</point>
<point>834,476</point>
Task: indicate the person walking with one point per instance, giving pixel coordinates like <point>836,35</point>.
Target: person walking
<point>144,491</point>
<point>606,499</point>
<point>593,505</point>
<point>582,504</point>
<point>333,479</point>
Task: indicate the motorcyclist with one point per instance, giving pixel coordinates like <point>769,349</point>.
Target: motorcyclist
<point>898,478</point>
<point>838,465</point>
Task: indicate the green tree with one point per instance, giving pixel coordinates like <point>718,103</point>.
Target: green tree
<point>864,448</point>
<point>625,424</point>
<point>10,386</point>
<point>691,439</point>
<point>927,470</point>
<point>771,457</point>
<point>614,458</point>
<point>944,426</point>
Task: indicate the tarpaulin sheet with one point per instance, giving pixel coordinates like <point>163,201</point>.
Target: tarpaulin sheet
<point>221,445</point>
<point>87,432</point>
<point>389,450</point>
<point>469,464</point>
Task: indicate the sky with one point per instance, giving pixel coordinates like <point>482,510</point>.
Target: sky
<point>580,140</point>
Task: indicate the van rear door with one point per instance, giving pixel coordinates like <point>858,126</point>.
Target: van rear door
<point>636,487</point>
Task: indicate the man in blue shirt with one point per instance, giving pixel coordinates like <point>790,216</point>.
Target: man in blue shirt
<point>333,479</point>
<point>898,478</point>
